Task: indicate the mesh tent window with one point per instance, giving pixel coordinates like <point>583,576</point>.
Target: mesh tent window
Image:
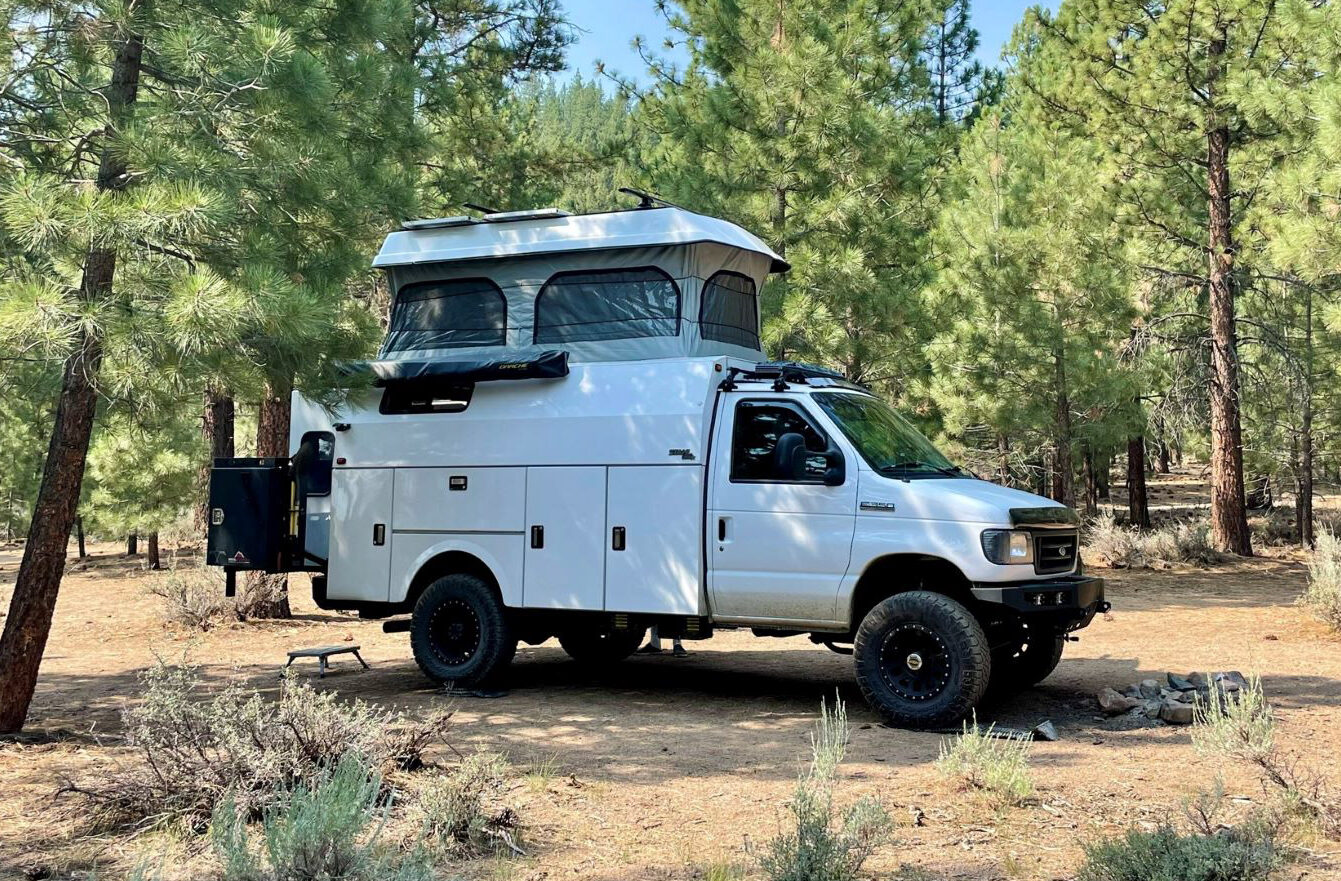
<point>607,304</point>
<point>448,315</point>
<point>730,310</point>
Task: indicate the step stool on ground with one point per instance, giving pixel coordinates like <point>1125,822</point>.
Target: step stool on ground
<point>322,653</point>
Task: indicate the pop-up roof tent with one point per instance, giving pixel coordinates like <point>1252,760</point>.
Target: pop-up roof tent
<point>650,282</point>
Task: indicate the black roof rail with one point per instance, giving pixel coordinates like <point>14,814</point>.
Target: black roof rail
<point>784,372</point>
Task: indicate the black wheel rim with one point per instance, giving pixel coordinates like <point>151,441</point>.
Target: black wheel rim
<point>915,662</point>
<point>455,631</point>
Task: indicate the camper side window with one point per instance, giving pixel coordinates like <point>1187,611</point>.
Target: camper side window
<point>434,395</point>
<point>729,313</point>
<point>608,304</point>
<point>754,442</point>
<point>452,314</point>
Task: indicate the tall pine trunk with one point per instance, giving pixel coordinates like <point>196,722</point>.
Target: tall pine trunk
<point>155,562</point>
<point>1138,506</point>
<point>1229,514</point>
<point>1303,506</point>
<point>34,601</point>
<point>132,544</point>
<point>79,537</point>
<point>268,595</point>
<point>1063,478</point>
<point>1003,460</point>
<point>1091,483</point>
<point>218,427</point>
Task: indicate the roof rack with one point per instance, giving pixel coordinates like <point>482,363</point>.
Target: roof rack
<point>784,373</point>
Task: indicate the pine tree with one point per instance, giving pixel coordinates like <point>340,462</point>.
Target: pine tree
<point>1165,89</point>
<point>957,80</point>
<point>806,123</point>
<point>1033,303</point>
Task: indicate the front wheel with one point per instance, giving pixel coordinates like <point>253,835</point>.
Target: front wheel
<point>1026,661</point>
<point>459,631</point>
<point>596,647</point>
<point>922,660</point>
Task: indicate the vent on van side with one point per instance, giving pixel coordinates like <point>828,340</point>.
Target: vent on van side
<point>432,395</point>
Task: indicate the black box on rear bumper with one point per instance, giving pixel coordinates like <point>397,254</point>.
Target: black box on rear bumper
<point>1073,599</point>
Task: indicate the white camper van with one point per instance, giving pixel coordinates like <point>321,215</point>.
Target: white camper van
<point>571,432</point>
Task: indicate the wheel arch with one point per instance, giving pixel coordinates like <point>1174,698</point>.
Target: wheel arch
<point>892,574</point>
<point>451,561</point>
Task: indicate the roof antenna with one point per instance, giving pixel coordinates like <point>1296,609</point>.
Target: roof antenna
<point>647,200</point>
<point>480,208</point>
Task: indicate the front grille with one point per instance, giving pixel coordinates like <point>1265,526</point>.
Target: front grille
<point>1054,552</point>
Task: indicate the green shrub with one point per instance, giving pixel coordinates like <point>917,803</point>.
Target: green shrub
<point>194,750</point>
<point>193,597</point>
<point>980,760</point>
<point>328,831</point>
<point>1165,855</point>
<point>1118,546</point>
<point>1323,596</point>
<point>1237,725</point>
<point>820,847</point>
<point>463,810</point>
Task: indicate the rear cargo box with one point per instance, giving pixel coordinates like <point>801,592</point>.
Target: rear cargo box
<point>249,517</point>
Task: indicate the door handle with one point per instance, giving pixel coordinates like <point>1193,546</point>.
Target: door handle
<point>617,538</point>
<point>537,536</point>
<point>379,534</point>
<point>721,529</point>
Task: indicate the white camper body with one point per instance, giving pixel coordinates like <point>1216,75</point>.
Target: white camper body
<point>571,434</point>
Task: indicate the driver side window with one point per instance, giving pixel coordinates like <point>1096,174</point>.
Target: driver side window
<point>754,443</point>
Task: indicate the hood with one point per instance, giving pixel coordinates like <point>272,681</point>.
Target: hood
<point>962,499</point>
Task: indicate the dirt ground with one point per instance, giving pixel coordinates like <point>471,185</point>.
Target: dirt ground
<point>666,768</point>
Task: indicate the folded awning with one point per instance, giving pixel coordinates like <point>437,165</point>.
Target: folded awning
<point>546,365</point>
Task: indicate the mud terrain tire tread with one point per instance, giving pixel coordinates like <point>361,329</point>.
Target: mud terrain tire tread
<point>967,645</point>
<point>496,647</point>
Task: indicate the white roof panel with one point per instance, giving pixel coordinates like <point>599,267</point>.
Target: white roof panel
<point>634,228</point>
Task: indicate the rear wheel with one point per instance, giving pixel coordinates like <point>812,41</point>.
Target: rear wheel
<point>459,631</point>
<point>922,660</point>
<point>601,646</point>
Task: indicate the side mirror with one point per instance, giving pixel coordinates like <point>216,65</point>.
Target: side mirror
<point>836,473</point>
<point>789,457</point>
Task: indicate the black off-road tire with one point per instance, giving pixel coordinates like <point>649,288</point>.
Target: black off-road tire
<point>922,660</point>
<point>596,647</point>
<point>459,631</point>
<point>1015,669</point>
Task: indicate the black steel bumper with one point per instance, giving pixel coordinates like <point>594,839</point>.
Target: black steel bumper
<point>1074,599</point>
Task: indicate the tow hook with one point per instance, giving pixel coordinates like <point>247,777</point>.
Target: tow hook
<point>1104,607</point>
<point>1069,638</point>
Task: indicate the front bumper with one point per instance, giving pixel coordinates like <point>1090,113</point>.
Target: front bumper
<point>1072,599</point>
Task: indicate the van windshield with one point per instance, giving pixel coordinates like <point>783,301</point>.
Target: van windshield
<point>884,438</point>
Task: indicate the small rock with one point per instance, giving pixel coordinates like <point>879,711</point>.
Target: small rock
<point>1199,680</point>
<point>1150,688</point>
<point>1113,703</point>
<point>1045,731</point>
<point>1175,712</point>
<point>1185,697</point>
<point>1271,636</point>
<point>1180,683</point>
<point>1230,681</point>
<point>1151,708</point>
<point>1132,691</point>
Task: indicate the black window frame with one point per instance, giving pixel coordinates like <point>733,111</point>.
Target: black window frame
<point>407,398</point>
<point>486,285</point>
<point>786,404</point>
<point>703,306</point>
<point>549,282</point>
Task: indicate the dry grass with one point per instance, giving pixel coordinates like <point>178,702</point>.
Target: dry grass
<point>977,759</point>
<point>1323,596</point>
<point>1118,546</point>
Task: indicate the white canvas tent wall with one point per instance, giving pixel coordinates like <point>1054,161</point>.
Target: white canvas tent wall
<point>609,275</point>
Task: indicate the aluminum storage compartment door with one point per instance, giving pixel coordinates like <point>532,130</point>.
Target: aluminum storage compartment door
<point>654,540</point>
<point>360,563</point>
<point>565,538</point>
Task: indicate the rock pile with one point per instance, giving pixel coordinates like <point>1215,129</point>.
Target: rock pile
<point>1172,701</point>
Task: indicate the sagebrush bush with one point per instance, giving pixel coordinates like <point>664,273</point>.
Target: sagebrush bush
<point>821,846</point>
<point>195,749</point>
<point>1113,544</point>
<point>1323,595</point>
<point>1165,855</point>
<point>327,829</point>
<point>978,759</point>
<point>193,597</point>
<point>463,810</point>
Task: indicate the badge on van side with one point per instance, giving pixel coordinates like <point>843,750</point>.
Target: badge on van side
<point>683,452</point>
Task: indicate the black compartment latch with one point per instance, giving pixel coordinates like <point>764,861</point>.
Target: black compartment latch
<point>537,536</point>
<point>617,538</point>
<point>379,534</point>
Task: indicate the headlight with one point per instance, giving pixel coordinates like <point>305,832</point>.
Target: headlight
<point>1006,546</point>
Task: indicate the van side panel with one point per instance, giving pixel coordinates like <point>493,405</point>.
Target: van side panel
<point>660,566</point>
<point>460,499</point>
<point>360,563</point>
<point>500,552</point>
<point>565,517</point>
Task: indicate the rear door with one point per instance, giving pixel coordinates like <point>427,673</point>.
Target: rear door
<point>565,538</point>
<point>360,561</point>
<point>780,546</point>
